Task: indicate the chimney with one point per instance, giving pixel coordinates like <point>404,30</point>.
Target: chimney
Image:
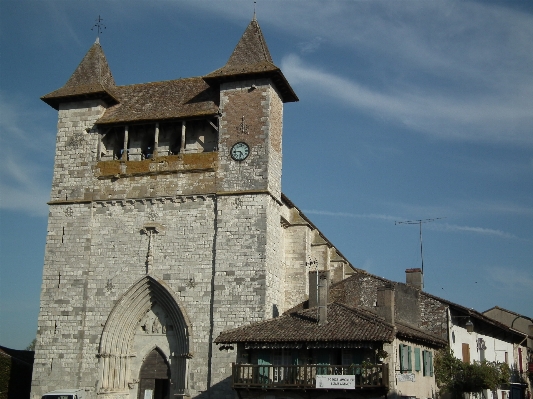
<point>414,278</point>
<point>385,302</point>
<point>318,293</point>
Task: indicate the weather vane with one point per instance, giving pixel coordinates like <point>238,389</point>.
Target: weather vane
<point>99,25</point>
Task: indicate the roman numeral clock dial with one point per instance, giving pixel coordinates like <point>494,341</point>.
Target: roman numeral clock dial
<point>239,151</point>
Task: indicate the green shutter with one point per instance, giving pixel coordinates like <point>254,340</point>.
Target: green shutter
<point>417,359</point>
<point>263,359</point>
<point>430,363</point>
<point>402,359</point>
<point>409,361</point>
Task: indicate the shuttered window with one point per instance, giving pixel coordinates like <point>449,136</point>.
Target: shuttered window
<point>417,359</point>
<point>405,358</point>
<point>427,358</point>
<point>466,353</point>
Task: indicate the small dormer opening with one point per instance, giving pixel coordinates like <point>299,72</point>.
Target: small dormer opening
<point>141,139</point>
<point>146,141</point>
<point>169,140</point>
<point>112,144</point>
<point>200,137</point>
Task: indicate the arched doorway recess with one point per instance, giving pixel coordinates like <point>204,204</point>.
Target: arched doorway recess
<point>147,316</point>
<point>154,377</point>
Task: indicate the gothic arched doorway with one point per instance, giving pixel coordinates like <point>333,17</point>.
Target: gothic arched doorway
<point>154,377</point>
<point>147,316</point>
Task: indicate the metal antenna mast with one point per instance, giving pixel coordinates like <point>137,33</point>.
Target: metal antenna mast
<point>419,222</point>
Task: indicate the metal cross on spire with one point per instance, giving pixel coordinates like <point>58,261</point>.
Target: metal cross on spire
<point>99,25</point>
<point>419,222</point>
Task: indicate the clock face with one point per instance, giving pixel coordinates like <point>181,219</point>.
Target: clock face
<point>240,151</point>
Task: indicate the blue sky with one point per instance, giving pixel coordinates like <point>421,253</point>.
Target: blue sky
<point>408,110</point>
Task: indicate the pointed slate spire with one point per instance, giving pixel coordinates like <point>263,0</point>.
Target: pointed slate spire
<point>252,57</point>
<point>91,79</point>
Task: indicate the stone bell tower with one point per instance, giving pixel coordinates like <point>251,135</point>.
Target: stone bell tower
<point>164,226</point>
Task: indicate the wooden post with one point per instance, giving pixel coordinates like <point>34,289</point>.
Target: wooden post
<point>156,140</point>
<point>125,153</point>
<point>182,148</point>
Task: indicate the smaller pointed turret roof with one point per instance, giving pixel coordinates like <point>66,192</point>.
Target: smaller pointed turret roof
<point>251,58</point>
<point>91,79</point>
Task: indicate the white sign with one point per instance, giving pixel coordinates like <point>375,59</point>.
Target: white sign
<point>148,394</point>
<point>405,377</point>
<point>335,381</point>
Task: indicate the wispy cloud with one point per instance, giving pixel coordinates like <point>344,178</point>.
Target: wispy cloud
<point>471,229</point>
<point>456,70</point>
<point>24,177</point>
<point>510,279</point>
<point>352,215</point>
<point>311,46</point>
<point>439,226</point>
<point>449,116</point>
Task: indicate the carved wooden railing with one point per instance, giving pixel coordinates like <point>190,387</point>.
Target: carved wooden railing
<point>304,376</point>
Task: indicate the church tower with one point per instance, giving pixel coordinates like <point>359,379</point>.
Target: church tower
<point>164,226</point>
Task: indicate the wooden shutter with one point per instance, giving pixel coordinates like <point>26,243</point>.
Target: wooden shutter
<point>417,359</point>
<point>430,363</point>
<point>409,360</point>
<point>466,353</point>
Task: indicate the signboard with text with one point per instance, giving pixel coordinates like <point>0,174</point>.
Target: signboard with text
<point>405,377</point>
<point>335,381</point>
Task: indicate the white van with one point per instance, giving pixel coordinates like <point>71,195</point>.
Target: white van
<point>65,394</point>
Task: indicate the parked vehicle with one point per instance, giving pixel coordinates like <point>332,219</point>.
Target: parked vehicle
<point>65,394</point>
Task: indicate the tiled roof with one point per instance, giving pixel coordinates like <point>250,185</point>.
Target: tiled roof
<point>92,78</point>
<point>349,291</point>
<point>182,98</point>
<point>251,58</point>
<point>412,333</point>
<point>344,324</point>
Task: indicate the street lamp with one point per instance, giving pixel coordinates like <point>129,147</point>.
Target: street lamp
<point>469,325</point>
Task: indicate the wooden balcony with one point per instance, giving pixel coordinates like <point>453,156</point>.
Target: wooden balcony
<point>251,376</point>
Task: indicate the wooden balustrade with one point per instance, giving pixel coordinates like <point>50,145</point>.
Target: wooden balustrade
<point>304,376</point>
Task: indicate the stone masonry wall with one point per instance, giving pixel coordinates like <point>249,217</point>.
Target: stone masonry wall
<point>246,113</point>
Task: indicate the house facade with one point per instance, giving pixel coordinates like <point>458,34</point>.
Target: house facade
<point>167,225</point>
<point>471,335</point>
<point>324,349</point>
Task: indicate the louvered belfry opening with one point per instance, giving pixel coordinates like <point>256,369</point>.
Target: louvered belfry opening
<point>154,377</point>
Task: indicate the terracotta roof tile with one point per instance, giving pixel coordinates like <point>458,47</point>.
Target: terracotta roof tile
<point>344,324</point>
<point>251,58</point>
<point>413,333</point>
<point>92,78</point>
<point>191,97</point>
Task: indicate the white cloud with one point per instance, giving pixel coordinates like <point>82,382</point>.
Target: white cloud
<point>311,46</point>
<point>352,215</point>
<point>451,116</point>
<point>472,229</point>
<point>457,70</point>
<point>510,279</point>
<point>24,177</point>
<point>438,226</point>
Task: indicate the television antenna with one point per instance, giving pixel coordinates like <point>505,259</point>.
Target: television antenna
<point>419,222</point>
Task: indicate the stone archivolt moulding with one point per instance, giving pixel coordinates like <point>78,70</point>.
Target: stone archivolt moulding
<point>116,349</point>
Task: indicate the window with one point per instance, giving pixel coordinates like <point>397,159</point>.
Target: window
<point>427,357</point>
<point>417,359</point>
<point>466,353</point>
<point>405,358</point>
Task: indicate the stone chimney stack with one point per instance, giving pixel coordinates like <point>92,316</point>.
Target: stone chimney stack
<point>318,293</point>
<point>414,278</point>
<point>385,302</point>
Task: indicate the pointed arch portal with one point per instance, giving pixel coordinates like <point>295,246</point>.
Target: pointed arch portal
<point>154,377</point>
<point>117,341</point>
